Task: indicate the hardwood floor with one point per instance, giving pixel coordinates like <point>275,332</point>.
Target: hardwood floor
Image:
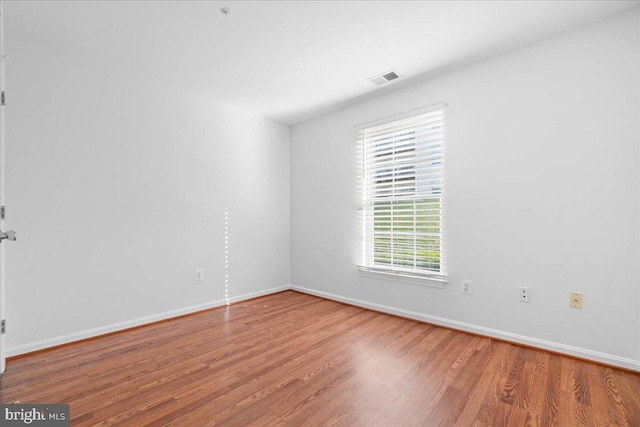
<point>291,359</point>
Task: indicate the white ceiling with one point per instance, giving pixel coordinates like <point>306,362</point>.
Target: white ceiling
<point>293,60</point>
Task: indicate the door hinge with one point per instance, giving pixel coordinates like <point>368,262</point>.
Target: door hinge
<point>3,99</point>
<point>3,326</point>
<point>2,212</point>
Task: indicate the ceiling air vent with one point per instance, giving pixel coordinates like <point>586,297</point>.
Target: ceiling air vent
<point>385,77</point>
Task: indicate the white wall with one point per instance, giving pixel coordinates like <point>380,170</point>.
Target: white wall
<point>118,188</point>
<point>542,187</point>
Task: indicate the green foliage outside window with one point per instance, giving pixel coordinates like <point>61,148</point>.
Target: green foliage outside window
<point>407,233</point>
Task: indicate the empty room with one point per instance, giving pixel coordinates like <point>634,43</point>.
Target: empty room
<point>288,213</point>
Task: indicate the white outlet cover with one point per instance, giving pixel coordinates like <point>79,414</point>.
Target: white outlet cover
<point>466,287</point>
<point>525,294</point>
<point>199,274</point>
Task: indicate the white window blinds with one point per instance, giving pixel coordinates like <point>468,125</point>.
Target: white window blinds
<point>401,164</point>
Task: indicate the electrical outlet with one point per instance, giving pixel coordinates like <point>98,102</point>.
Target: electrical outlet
<point>525,294</point>
<point>575,300</point>
<point>199,274</point>
<point>466,287</point>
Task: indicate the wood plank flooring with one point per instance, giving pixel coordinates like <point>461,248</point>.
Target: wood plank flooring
<point>291,359</point>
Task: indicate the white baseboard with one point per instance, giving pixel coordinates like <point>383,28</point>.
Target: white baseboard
<point>90,333</point>
<point>583,353</point>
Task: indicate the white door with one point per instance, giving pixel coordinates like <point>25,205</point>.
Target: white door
<point>2,241</point>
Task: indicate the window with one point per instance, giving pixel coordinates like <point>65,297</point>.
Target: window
<point>401,164</point>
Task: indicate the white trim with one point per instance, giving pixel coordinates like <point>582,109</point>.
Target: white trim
<point>90,333</point>
<point>583,353</point>
<point>595,356</point>
<point>411,279</point>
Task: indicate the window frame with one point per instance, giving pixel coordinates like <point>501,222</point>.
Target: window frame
<point>367,202</point>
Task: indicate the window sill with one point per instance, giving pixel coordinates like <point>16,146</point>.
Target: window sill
<point>431,282</point>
